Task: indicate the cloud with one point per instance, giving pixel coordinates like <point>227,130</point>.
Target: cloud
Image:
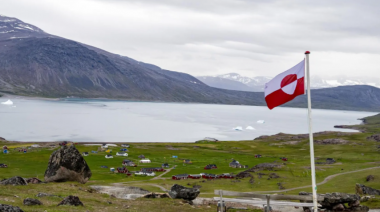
<point>208,37</point>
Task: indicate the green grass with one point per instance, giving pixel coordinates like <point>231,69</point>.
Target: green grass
<point>359,153</point>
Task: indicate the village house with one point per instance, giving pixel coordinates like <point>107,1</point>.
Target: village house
<point>85,153</point>
<point>5,147</point>
<point>141,156</point>
<point>195,176</point>
<point>123,170</point>
<point>35,146</point>
<point>236,164</point>
<point>2,165</point>
<point>63,143</point>
<point>284,158</point>
<point>211,166</point>
<point>145,161</point>
<point>258,156</point>
<point>228,176</point>
<point>174,156</point>
<point>158,169</point>
<point>109,156</point>
<point>122,154</point>
<point>152,174</point>
<point>94,152</point>
<point>124,150</point>
<point>108,151</point>
<point>165,165</point>
<point>125,145</point>
<point>188,161</point>
<point>104,146</point>
<point>127,162</point>
<point>209,176</point>
<point>180,177</point>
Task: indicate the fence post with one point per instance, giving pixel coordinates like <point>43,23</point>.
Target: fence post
<point>267,209</point>
<point>221,201</point>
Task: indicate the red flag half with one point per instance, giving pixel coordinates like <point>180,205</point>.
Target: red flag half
<point>285,86</point>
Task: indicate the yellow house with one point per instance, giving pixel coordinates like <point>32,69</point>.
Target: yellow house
<point>108,151</point>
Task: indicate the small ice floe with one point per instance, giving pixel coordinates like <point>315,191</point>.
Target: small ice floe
<point>260,121</point>
<point>249,128</point>
<point>9,102</point>
<point>238,128</point>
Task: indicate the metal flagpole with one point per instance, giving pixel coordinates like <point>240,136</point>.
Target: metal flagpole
<point>314,185</point>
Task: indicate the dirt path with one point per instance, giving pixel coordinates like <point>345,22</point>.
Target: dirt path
<point>328,178</point>
<point>159,176</point>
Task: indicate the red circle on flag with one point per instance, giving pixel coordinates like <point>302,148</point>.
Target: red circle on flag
<point>288,79</point>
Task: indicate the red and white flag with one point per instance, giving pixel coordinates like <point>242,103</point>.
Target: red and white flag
<point>285,86</point>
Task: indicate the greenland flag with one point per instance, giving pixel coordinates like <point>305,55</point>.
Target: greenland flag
<point>285,86</point>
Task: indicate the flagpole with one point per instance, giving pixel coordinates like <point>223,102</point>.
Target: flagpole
<point>314,185</point>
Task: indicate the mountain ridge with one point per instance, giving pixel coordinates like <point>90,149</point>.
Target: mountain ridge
<point>35,63</point>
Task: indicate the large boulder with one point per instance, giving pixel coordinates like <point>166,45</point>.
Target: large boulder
<point>333,199</point>
<point>362,189</point>
<point>9,208</point>
<point>30,201</point>
<point>71,200</point>
<point>33,180</point>
<point>181,192</point>
<point>67,164</point>
<point>14,181</point>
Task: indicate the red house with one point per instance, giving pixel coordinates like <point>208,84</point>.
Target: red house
<point>180,177</point>
<point>211,166</point>
<point>195,176</point>
<point>284,159</point>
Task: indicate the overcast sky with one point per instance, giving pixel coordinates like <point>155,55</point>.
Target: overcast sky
<point>210,37</point>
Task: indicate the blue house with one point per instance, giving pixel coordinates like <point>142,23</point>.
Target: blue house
<point>174,156</point>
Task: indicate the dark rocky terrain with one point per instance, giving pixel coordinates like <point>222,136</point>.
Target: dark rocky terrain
<point>35,63</point>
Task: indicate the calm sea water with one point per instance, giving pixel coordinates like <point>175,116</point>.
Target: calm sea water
<point>120,121</point>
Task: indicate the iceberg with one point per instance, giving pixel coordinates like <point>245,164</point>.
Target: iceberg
<point>9,102</point>
<point>238,128</point>
<point>249,128</point>
<point>260,121</point>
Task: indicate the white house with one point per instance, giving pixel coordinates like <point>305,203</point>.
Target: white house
<point>35,146</point>
<point>125,145</point>
<point>152,174</point>
<point>122,154</point>
<point>109,156</point>
<point>145,161</point>
<point>85,153</point>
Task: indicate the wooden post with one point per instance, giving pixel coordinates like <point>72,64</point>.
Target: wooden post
<point>267,209</point>
<point>221,201</point>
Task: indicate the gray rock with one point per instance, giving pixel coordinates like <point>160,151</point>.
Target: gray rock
<point>71,200</point>
<point>14,181</point>
<point>33,180</point>
<point>181,192</point>
<point>362,189</point>
<point>330,200</point>
<point>30,201</point>
<point>156,195</point>
<point>370,178</point>
<point>331,141</point>
<point>67,164</point>
<point>9,208</point>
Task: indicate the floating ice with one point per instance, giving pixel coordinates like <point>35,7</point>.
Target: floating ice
<point>249,128</point>
<point>260,121</point>
<point>238,128</point>
<point>9,102</point>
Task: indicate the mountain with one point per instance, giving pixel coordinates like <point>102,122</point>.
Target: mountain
<point>33,62</point>
<point>240,82</point>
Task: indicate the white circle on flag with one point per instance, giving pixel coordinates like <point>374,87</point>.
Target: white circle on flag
<point>290,88</point>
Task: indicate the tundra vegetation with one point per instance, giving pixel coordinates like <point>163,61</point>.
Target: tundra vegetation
<point>350,151</point>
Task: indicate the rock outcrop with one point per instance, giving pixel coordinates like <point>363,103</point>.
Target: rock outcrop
<point>375,137</point>
<point>30,201</point>
<point>71,200</point>
<point>331,141</point>
<point>336,202</point>
<point>2,139</point>
<point>181,192</point>
<point>9,208</point>
<point>156,195</point>
<point>14,181</point>
<point>67,164</point>
<point>362,189</point>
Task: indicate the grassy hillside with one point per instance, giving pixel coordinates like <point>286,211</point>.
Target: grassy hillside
<point>359,153</point>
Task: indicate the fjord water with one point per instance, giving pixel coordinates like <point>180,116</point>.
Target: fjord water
<point>83,120</point>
